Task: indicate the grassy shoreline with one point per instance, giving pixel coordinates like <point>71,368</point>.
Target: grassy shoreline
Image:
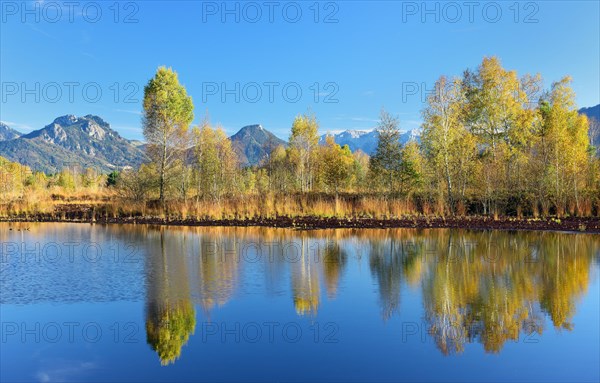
<point>569,224</point>
<point>314,211</point>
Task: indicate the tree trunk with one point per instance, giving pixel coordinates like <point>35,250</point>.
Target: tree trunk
<point>163,165</point>
<point>448,183</point>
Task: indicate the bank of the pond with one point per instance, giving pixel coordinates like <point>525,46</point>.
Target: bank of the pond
<point>571,224</point>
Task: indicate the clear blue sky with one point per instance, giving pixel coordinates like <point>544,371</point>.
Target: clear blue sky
<point>362,60</point>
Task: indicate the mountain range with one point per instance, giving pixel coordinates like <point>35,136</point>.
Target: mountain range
<point>593,114</point>
<point>89,141</point>
<point>70,141</point>
<point>366,141</point>
<point>7,133</point>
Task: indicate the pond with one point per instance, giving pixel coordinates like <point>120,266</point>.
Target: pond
<point>83,302</point>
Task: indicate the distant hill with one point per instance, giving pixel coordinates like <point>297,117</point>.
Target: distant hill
<point>366,141</point>
<point>7,133</point>
<point>90,142</point>
<point>73,141</point>
<point>593,114</point>
<point>356,139</point>
<point>253,143</point>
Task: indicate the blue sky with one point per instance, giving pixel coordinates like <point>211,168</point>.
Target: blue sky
<point>348,58</point>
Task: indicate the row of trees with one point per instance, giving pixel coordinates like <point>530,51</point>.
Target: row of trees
<point>201,162</point>
<point>492,142</point>
<point>17,180</point>
<point>493,137</point>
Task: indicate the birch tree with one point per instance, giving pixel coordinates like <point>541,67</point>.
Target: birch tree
<point>447,144</point>
<point>303,142</point>
<point>168,112</point>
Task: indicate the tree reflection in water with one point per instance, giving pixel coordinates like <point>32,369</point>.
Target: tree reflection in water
<point>305,278</point>
<point>493,287</point>
<point>484,287</point>
<point>217,271</point>
<point>170,314</point>
<point>334,263</point>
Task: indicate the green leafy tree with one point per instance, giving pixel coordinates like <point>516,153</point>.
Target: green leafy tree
<point>499,113</point>
<point>168,112</point>
<point>216,162</point>
<point>280,170</point>
<point>360,171</point>
<point>112,178</point>
<point>387,165</point>
<point>448,146</point>
<point>137,185</point>
<point>337,165</point>
<point>304,140</point>
<point>66,180</point>
<point>564,147</point>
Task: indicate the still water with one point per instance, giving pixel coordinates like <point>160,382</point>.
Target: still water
<point>141,303</point>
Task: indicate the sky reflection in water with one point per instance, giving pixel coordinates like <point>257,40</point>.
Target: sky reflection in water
<point>83,302</point>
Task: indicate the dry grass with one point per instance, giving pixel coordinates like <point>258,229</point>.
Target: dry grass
<point>105,203</point>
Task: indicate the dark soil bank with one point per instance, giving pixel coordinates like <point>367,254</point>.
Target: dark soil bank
<point>572,224</point>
